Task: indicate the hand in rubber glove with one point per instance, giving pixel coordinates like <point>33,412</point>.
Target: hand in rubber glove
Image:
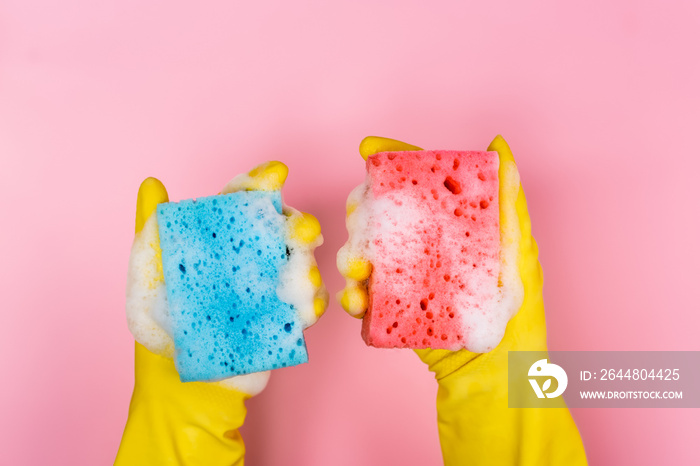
<point>475,425</point>
<point>194,423</point>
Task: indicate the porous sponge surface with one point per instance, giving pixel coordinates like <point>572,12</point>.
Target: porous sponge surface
<point>221,261</point>
<point>435,248</point>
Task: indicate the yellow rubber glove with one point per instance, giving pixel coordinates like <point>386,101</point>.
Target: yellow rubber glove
<point>475,425</point>
<point>194,423</point>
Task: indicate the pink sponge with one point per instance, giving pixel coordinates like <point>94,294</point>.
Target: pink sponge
<point>435,248</point>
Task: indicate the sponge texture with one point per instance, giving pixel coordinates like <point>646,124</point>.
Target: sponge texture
<point>435,249</point>
<point>222,257</point>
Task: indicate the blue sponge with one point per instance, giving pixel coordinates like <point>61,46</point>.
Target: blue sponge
<point>221,261</point>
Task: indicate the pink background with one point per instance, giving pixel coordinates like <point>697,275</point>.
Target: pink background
<point>598,99</point>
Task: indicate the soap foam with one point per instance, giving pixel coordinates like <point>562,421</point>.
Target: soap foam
<point>252,383</point>
<point>393,225</point>
<point>294,286</point>
<point>147,311</point>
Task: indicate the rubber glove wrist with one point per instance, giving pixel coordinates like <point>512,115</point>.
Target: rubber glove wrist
<point>157,381</point>
<point>174,423</point>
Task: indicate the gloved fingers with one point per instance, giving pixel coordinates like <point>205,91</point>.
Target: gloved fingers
<point>146,307</point>
<point>374,144</point>
<point>526,330</point>
<point>320,294</point>
<point>304,228</point>
<point>146,288</point>
<point>303,236</point>
<point>151,193</point>
<point>269,176</point>
<point>511,200</point>
<point>355,268</point>
<point>354,299</point>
